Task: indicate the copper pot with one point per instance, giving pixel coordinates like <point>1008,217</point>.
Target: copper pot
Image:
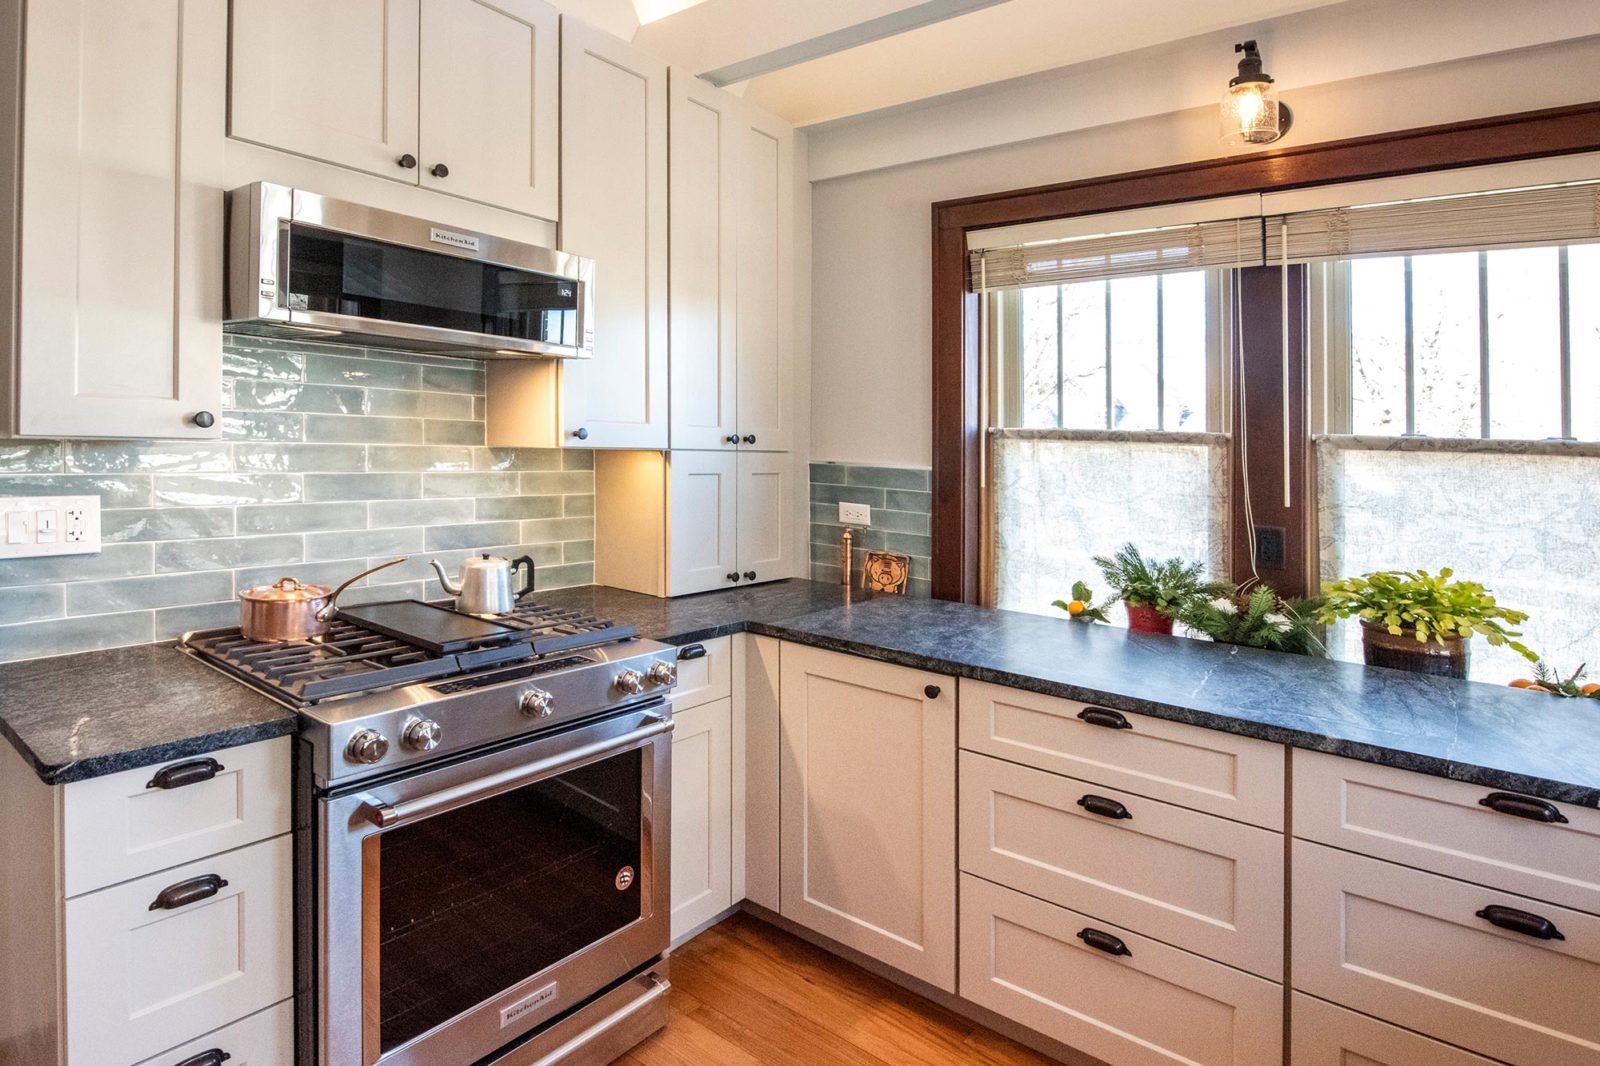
<point>287,610</point>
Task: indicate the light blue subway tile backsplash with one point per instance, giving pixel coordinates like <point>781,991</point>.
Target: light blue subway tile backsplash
<point>331,460</point>
<point>902,503</point>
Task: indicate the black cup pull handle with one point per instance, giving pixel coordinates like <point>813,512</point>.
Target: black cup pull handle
<point>185,773</point>
<point>1103,941</point>
<point>931,691</point>
<point>1535,810</point>
<point>186,892</point>
<point>691,651</point>
<point>1104,807</point>
<point>215,1057</point>
<point>1515,921</point>
<point>1103,716</point>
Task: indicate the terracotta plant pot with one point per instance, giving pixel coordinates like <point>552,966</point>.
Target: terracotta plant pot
<point>1405,652</point>
<point>1148,620</point>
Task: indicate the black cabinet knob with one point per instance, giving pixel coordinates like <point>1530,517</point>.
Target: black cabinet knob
<point>407,161</point>
<point>931,691</point>
<point>749,438</point>
<point>581,433</point>
<point>439,170</point>
<point>731,438</point>
<point>203,419</point>
<point>733,577</point>
<point>749,575</point>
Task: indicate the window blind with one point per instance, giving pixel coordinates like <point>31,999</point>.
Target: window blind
<point>1562,214</point>
<point>1231,243</point>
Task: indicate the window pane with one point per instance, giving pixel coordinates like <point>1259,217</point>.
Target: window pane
<point>1133,353</point>
<point>1444,323</point>
<point>1583,282</point>
<point>1183,338</point>
<point>1378,346</point>
<point>1039,358</point>
<point>1524,344</point>
<point>1083,309</point>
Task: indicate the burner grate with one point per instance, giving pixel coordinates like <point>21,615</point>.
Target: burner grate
<point>558,629</point>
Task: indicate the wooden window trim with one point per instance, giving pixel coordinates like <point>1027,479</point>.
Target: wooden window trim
<point>957,415</point>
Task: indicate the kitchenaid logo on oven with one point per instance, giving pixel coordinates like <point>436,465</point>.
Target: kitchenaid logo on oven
<point>464,241</point>
<point>532,1001</point>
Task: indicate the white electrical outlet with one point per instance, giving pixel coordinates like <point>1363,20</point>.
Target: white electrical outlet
<point>50,525</point>
<point>855,514</point>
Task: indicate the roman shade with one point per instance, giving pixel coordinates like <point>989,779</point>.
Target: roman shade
<point>1233,242</point>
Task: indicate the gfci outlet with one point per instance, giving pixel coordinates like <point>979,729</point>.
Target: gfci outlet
<point>855,514</point>
<point>49,525</point>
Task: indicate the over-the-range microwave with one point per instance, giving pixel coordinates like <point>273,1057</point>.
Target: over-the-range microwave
<point>309,267</point>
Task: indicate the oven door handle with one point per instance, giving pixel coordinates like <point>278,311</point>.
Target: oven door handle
<point>387,815</point>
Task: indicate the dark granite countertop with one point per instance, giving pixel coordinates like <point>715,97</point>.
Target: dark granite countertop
<point>1484,734</point>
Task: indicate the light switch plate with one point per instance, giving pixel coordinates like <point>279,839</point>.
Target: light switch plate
<point>855,514</point>
<point>49,525</point>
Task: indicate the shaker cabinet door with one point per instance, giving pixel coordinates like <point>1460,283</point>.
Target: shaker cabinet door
<point>489,114</point>
<point>769,547</point>
<point>702,521</point>
<point>765,281</point>
<point>119,326</point>
<point>702,814</point>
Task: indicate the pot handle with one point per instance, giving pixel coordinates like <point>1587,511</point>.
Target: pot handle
<point>333,600</point>
<point>527,583</point>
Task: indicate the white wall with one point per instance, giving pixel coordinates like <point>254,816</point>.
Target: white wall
<point>872,233</point>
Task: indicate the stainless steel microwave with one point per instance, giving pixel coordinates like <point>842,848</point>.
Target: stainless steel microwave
<point>303,266</point>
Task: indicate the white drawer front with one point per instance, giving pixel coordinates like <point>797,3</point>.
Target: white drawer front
<point>265,1038</point>
<point>1441,826</point>
<point>706,677</point>
<point>1408,947</point>
<point>1159,1006</point>
<point>1195,881</point>
<point>1324,1035</point>
<point>141,980</point>
<point>1207,770</point>
<point>120,826</point>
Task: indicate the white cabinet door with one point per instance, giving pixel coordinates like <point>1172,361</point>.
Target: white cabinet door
<point>614,211</point>
<point>765,281</point>
<point>263,1039</point>
<point>120,317</point>
<point>489,83</point>
<point>702,521</point>
<point>702,814</point>
<point>705,143</point>
<point>1325,1035</point>
<point>867,780</point>
<point>336,82</point>
<point>769,546</point>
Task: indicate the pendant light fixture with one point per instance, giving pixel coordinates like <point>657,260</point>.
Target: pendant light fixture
<point>1251,113</point>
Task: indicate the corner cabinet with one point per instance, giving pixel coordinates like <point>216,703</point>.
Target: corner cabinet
<point>459,96</point>
<point>868,808</point>
<point>116,299</point>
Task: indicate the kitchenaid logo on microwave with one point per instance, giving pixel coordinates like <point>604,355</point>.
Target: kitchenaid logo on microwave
<point>455,240</point>
<point>532,1001</point>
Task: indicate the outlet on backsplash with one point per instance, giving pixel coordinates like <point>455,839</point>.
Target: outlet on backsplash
<point>50,525</point>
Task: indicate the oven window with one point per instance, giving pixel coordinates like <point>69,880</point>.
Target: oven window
<point>336,273</point>
<point>473,901</point>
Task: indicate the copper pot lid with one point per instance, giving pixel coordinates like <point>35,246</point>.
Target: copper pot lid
<point>285,590</point>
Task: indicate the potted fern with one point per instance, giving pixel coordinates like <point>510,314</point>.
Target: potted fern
<point>1258,618</point>
<point>1152,591</point>
<point>1422,622</point>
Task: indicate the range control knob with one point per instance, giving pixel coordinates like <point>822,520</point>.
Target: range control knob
<point>366,745</point>
<point>537,703</point>
<point>422,734</point>
<point>631,682</point>
<point>663,673</point>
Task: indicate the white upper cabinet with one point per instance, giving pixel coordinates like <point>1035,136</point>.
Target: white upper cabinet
<point>119,237</point>
<point>461,96</point>
<point>614,211</point>
<point>765,332</point>
<point>490,103</point>
<point>704,123</point>
<point>336,82</point>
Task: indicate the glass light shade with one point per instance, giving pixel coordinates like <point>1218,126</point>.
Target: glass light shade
<point>1250,113</point>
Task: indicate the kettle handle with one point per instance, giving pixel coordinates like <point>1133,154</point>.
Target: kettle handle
<point>527,583</point>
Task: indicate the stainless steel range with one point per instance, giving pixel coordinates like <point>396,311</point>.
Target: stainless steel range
<point>484,868</point>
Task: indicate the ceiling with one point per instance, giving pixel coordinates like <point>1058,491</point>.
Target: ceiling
<point>819,60</point>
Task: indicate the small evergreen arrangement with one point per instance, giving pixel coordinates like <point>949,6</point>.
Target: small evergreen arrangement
<point>1548,680</point>
<point>1164,586</point>
<point>1082,608</point>
<point>1258,618</point>
<point>1428,606</point>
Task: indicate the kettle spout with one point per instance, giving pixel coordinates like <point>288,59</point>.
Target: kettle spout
<point>444,579</point>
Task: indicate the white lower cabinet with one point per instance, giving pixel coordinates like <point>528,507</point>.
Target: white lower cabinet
<point>152,961</point>
<point>1325,1035</point>
<point>702,814</point>
<point>867,785</point>
<point>266,1038</point>
<point>1124,998</point>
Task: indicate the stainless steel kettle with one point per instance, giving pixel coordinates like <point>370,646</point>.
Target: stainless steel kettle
<point>486,583</point>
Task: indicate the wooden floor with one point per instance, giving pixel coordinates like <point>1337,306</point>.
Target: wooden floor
<point>745,993</point>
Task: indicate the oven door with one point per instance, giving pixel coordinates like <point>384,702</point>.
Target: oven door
<point>463,906</point>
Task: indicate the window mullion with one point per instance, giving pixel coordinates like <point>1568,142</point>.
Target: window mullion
<point>1107,284</point>
<point>1411,357</point>
<point>1161,354</point>
<point>1564,306</point>
<point>1061,357</point>
<point>1483,344</point>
